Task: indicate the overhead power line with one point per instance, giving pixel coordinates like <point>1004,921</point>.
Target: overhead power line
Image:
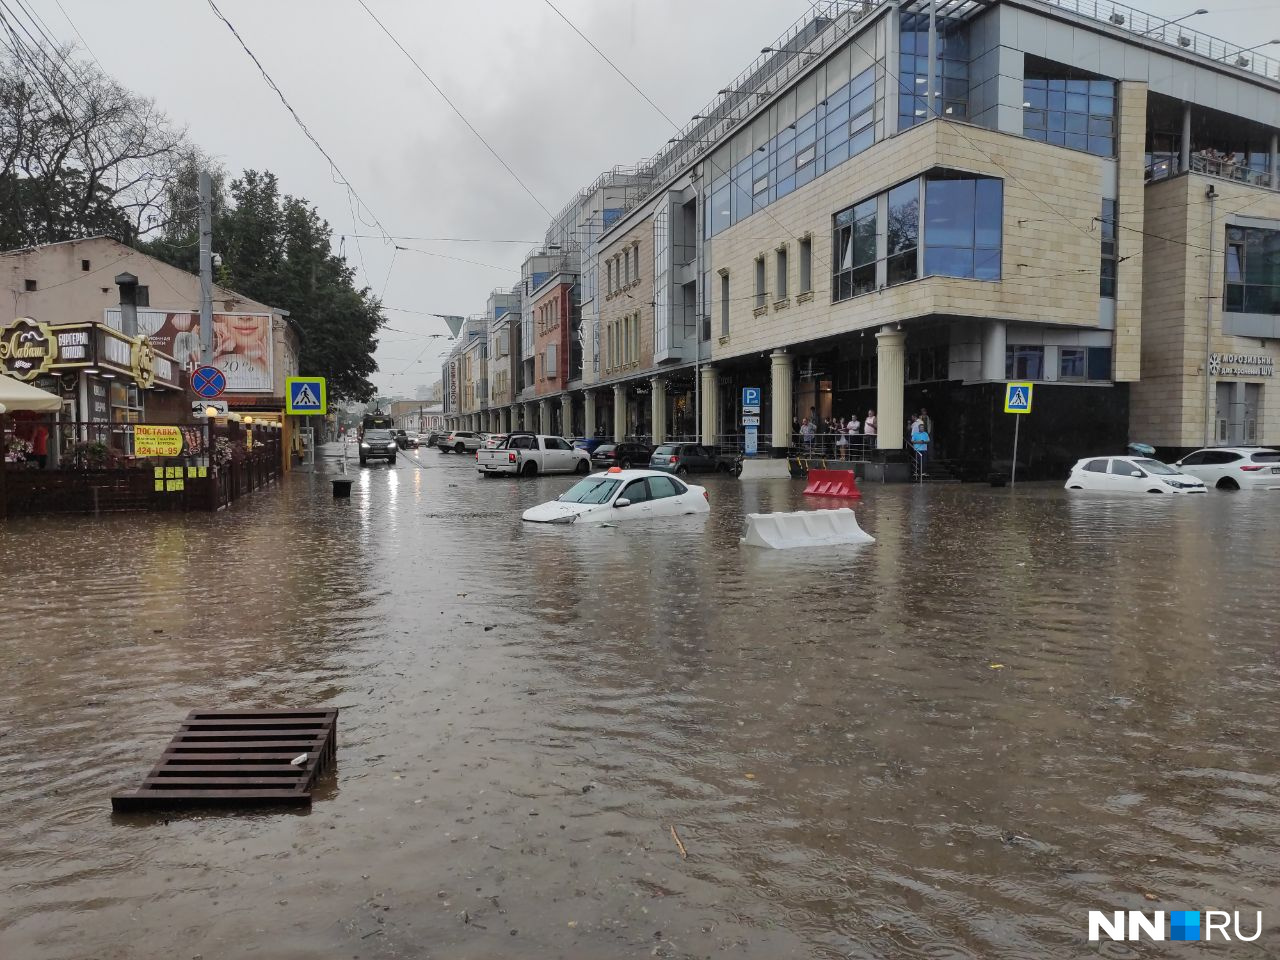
<point>386,235</point>
<point>470,126</point>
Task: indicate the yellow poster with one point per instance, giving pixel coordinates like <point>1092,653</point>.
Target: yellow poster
<point>203,471</point>
<point>154,441</point>
<point>159,473</point>
<point>159,486</point>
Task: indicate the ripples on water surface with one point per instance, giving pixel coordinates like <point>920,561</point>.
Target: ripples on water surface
<point>527,711</point>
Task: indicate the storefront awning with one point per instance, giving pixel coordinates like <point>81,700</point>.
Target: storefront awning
<point>19,396</point>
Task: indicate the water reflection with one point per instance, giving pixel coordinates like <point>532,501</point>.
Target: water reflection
<point>1015,706</point>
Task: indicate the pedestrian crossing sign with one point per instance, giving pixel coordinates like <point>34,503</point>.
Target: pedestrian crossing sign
<point>305,395</point>
<point>1017,398</point>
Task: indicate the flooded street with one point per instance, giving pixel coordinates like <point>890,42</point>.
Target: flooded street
<point>1013,708</point>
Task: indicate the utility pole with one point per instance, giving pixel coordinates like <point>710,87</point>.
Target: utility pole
<point>206,268</point>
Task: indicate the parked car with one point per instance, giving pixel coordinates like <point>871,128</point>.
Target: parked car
<point>459,441</point>
<point>432,439</point>
<point>378,445</point>
<point>622,495</point>
<point>1234,468</point>
<point>528,454</point>
<point>624,455</point>
<point>405,440</point>
<point>681,458</point>
<point>1130,475</point>
<point>492,440</point>
<point>589,444</point>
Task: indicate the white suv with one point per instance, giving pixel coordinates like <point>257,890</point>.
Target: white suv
<point>460,441</point>
<point>1234,468</point>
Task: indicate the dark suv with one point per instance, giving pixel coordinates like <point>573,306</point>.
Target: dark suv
<point>378,445</point>
<point>625,455</point>
<point>693,458</point>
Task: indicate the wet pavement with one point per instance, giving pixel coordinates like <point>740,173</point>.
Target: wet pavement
<point>1015,707</point>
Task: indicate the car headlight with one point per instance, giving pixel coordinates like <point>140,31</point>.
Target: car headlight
<point>365,445</point>
<point>569,519</point>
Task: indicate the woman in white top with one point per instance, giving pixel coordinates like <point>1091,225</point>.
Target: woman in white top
<point>869,425</point>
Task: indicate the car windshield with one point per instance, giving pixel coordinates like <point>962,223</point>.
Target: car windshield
<point>1156,467</point>
<point>666,451</point>
<point>591,490</point>
<point>377,434</point>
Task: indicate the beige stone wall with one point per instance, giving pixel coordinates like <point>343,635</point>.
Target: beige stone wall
<point>1127,358</point>
<point>1051,242</point>
<point>627,300</point>
<point>1168,404</point>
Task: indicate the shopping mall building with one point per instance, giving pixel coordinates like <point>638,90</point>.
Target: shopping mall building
<point>906,204</point>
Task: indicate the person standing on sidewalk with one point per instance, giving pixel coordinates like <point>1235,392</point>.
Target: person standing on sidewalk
<point>920,443</point>
<point>869,424</point>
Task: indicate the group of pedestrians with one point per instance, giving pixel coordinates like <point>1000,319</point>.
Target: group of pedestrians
<point>836,435</point>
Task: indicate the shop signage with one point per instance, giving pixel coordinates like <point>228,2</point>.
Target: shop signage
<point>156,441</point>
<point>1241,365</point>
<point>27,349</point>
<point>99,401</point>
<point>74,345</point>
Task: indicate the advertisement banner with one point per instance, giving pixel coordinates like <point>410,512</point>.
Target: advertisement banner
<point>242,344</point>
<point>156,441</point>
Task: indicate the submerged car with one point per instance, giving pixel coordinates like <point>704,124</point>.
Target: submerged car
<point>1234,468</point>
<point>619,494</point>
<point>1130,475</point>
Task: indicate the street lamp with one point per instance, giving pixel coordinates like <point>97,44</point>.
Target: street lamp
<point>1168,23</point>
<point>1241,59</point>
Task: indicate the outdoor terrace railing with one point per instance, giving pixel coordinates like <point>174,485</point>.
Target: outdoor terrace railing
<point>1165,168</point>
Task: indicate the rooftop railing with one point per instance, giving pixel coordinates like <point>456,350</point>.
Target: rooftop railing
<point>1173,34</point>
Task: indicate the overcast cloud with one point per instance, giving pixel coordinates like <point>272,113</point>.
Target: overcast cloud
<point>533,88</point>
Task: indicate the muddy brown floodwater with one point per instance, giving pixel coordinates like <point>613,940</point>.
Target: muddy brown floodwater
<point>1013,708</point>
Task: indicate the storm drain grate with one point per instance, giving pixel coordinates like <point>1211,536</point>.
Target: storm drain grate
<point>240,758</point>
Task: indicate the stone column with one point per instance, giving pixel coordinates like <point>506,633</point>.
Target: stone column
<point>531,416</point>
<point>1184,154</point>
<point>619,412</point>
<point>658,408</point>
<point>589,412</point>
<point>710,405</point>
<point>566,414</point>
<point>891,373</point>
<point>1275,161</point>
<point>781,366</point>
<point>544,416</point>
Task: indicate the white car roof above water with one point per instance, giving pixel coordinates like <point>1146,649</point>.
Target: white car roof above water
<point>617,474</point>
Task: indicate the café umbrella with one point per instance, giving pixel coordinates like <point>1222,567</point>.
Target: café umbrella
<point>16,395</point>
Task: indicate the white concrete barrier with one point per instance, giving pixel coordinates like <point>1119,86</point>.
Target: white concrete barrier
<point>807,528</point>
<point>762,468</point>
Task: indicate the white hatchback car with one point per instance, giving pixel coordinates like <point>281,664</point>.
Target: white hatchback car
<point>1234,468</point>
<point>619,494</point>
<point>1130,475</point>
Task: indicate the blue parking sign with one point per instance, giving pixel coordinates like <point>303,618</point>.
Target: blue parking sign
<point>750,399</point>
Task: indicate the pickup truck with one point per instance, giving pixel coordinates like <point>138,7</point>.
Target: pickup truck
<point>528,454</point>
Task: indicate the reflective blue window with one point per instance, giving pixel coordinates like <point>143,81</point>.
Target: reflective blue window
<point>1080,114</point>
<point>951,70</point>
<point>903,231</point>
<point>962,227</point>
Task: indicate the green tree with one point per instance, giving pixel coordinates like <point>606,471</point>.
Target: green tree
<point>277,249</point>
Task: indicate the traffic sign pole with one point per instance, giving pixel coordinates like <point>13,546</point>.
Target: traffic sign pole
<point>1013,469</point>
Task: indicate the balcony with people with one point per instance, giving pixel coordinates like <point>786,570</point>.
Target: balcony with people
<point>1184,138</point>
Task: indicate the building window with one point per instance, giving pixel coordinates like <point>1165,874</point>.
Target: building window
<point>962,227</point>
<point>1099,363</point>
<point>143,295</point>
<point>806,265</point>
<point>29,286</point>
<point>1068,112</point>
<point>1107,271</point>
<point>609,276</point>
<point>84,265</point>
<point>1071,363</point>
<point>904,232</point>
<point>1024,363</point>
<point>1253,271</point>
<point>635,341</point>
<point>782,274</point>
<point>761,293</point>
<point>950,76</point>
<point>551,361</point>
<point>724,303</point>
<point>855,250</point>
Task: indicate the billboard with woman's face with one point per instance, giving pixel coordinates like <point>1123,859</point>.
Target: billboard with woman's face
<point>241,344</point>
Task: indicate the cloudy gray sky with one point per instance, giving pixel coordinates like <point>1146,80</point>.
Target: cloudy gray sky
<point>534,89</point>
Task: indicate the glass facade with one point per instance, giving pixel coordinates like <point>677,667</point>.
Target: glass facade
<point>1253,271</point>
<point>1024,362</point>
<point>903,231</point>
<point>962,227</point>
<point>856,230</point>
<point>839,127</point>
<point>1080,114</point>
<point>951,73</point>
<point>1107,271</point>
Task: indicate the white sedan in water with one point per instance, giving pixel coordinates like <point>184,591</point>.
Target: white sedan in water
<point>1130,475</point>
<point>620,494</point>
